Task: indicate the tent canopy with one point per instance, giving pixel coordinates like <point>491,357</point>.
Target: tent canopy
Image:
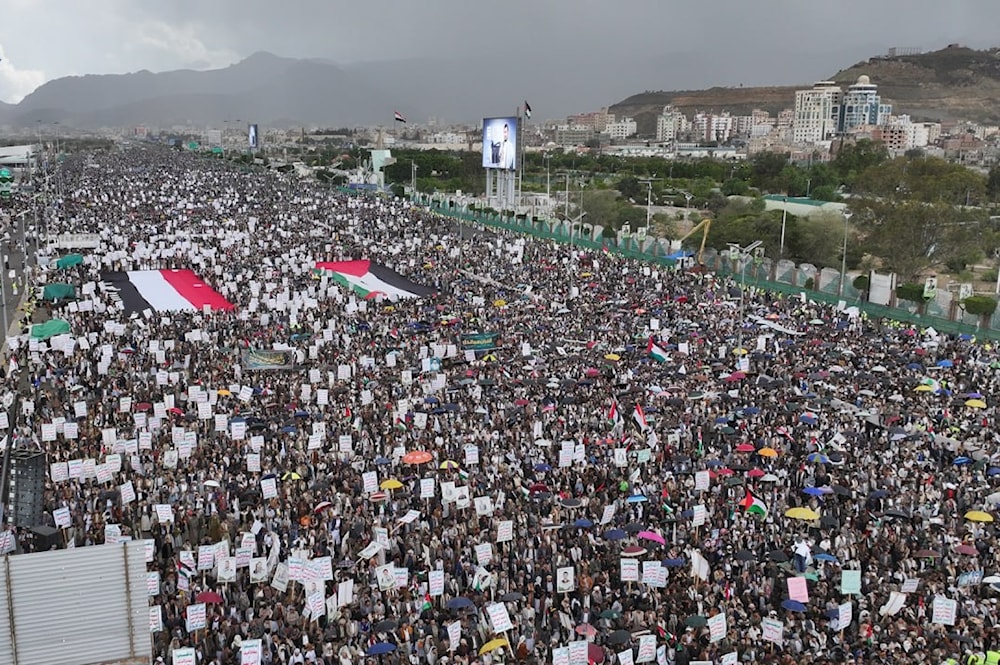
<point>69,261</point>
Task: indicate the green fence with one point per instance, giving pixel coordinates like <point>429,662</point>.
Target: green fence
<point>554,231</point>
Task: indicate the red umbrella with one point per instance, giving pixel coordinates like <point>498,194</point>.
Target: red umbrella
<point>595,654</point>
<point>586,630</point>
<point>321,506</point>
<point>417,457</point>
<point>745,448</point>
<point>539,487</point>
<point>209,597</point>
<point>966,549</point>
<point>142,406</point>
<point>755,473</point>
<point>174,410</point>
<point>633,550</point>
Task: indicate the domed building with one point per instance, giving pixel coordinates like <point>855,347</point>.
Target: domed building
<point>861,105</point>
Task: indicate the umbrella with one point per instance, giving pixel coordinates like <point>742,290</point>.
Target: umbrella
<point>793,605</point>
<point>586,630</point>
<point>778,556</point>
<point>614,614</point>
<point>460,603</point>
<point>571,503</point>
<point>385,626</point>
<point>380,648</point>
<point>512,597</point>
<point>291,475</point>
<point>978,516</point>
<point>633,550</point>
<point>745,448</point>
<point>583,523</point>
<point>966,549</point>
<point>745,555</point>
<point>927,554</point>
<point>817,458</point>
<point>595,654</point>
<point>321,506</point>
<point>975,404</point>
<point>391,484</point>
<point>493,645</point>
<point>696,621</point>
<point>417,457</point>
<point>541,468</point>
<point>210,597</point>
<point>767,452</point>
<point>636,498</point>
<point>619,637</point>
<point>449,465</point>
<point>650,535</point>
<point>769,478</point>
<point>755,473</point>
<point>813,491</point>
<point>212,483</point>
<point>614,534</point>
<point>69,261</point>
<point>802,514</point>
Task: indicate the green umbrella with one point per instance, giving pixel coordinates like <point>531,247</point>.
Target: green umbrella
<point>58,292</point>
<point>69,261</point>
<point>50,328</point>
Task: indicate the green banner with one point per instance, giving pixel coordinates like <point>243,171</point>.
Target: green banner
<point>479,341</point>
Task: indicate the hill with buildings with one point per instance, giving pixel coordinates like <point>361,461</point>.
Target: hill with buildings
<point>954,83</point>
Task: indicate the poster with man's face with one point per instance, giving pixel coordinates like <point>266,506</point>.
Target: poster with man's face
<point>386,577</point>
<point>565,580</point>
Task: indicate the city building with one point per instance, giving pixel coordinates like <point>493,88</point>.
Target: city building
<point>621,129</point>
<point>817,113</point>
<point>596,121</point>
<point>670,124</point>
<point>861,105</point>
<point>569,136</point>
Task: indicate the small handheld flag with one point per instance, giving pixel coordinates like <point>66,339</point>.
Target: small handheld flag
<point>527,109</point>
<point>400,118</point>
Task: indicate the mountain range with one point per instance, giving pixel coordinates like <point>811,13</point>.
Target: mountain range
<point>288,92</point>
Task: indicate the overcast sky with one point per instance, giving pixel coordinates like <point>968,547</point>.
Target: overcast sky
<point>770,41</point>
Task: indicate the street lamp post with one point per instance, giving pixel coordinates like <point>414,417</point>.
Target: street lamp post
<point>784,218</point>
<point>742,254</point>
<point>843,258</point>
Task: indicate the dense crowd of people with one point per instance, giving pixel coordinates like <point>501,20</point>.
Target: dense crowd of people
<point>640,470</point>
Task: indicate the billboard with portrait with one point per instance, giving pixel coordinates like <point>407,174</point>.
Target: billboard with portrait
<point>500,143</point>
<point>252,136</point>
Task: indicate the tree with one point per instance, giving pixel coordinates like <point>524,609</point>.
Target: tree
<point>911,237</point>
<point>766,167</point>
<point>853,158</point>
<point>629,187</point>
<point>929,179</point>
<point>993,183</point>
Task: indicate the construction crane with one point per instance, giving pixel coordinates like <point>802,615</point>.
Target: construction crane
<point>704,226</point>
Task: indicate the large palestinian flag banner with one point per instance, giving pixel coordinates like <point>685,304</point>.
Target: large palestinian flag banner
<point>163,291</point>
<point>370,280</point>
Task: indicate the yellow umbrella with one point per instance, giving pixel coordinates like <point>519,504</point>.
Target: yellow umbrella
<point>391,484</point>
<point>291,475</point>
<point>739,352</point>
<point>923,388</point>
<point>222,392</point>
<point>448,464</point>
<point>499,302</point>
<point>802,514</point>
<point>612,357</point>
<point>493,645</point>
<point>975,404</point>
<point>586,274</point>
<point>978,516</point>
<point>767,452</point>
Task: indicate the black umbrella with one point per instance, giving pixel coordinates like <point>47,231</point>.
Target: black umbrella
<point>386,626</point>
<point>619,637</point>
<point>512,597</point>
<point>745,555</point>
<point>778,556</point>
<point>634,528</point>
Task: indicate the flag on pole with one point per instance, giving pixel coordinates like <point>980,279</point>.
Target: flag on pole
<point>753,505</point>
<point>640,418</point>
<point>614,415</point>
<point>400,118</point>
<point>527,109</point>
<point>655,352</point>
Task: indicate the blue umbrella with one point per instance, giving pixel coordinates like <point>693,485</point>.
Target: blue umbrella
<point>674,563</point>
<point>721,420</point>
<point>637,498</point>
<point>614,534</point>
<point>713,463</point>
<point>793,605</point>
<point>959,461</point>
<point>973,395</point>
<point>823,556</point>
<point>751,410</point>
<point>583,523</point>
<point>914,366</point>
<point>808,420</point>
<point>459,603</point>
<point>965,337</point>
<point>288,429</point>
<point>382,460</point>
<point>431,400</point>
<point>301,414</point>
<point>878,494</point>
<point>945,363</point>
<point>993,470</point>
<point>380,648</point>
<point>817,458</point>
<point>687,514</point>
<point>543,467</point>
<point>813,491</point>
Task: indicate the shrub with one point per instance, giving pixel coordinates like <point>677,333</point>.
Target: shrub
<point>980,305</point>
<point>910,291</point>
<point>861,282</point>
<point>810,284</point>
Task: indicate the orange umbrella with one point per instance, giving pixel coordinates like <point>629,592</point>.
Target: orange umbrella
<point>767,452</point>
<point>417,457</point>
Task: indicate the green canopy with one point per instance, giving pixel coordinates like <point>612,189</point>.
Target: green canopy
<point>58,292</point>
<point>50,328</point>
<point>69,261</point>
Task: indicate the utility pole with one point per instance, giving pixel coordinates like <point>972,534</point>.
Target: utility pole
<point>649,198</point>
<point>413,180</point>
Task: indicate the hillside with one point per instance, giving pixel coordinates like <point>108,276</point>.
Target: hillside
<point>951,84</point>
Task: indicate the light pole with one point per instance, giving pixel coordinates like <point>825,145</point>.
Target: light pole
<point>742,254</point>
<point>548,182</point>
<point>843,258</point>
<point>784,218</point>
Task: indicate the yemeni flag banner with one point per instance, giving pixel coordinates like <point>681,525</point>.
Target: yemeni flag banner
<point>164,291</point>
<point>370,280</point>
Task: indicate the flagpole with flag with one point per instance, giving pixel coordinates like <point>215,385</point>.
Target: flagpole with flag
<point>521,119</point>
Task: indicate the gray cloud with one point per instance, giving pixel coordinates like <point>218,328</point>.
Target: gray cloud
<point>551,45</point>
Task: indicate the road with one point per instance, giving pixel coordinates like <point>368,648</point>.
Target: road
<point>11,251</point>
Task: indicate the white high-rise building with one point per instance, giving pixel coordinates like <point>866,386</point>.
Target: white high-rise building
<point>669,124</point>
<point>817,112</point>
<point>622,129</point>
<point>862,106</point>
